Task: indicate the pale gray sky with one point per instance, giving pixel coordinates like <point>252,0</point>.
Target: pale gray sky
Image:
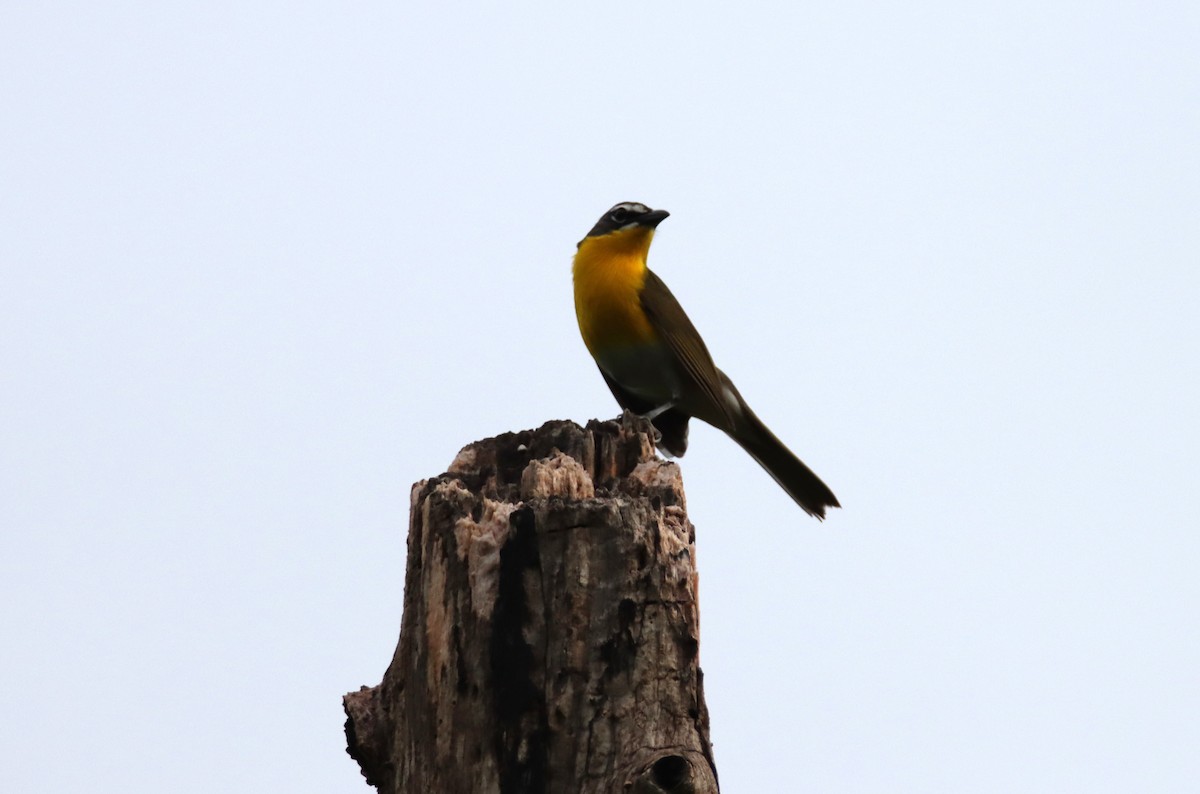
<point>266,265</point>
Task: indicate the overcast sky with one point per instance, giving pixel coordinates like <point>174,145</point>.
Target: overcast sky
<point>265,265</point>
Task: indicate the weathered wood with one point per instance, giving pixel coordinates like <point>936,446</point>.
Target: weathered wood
<point>550,638</point>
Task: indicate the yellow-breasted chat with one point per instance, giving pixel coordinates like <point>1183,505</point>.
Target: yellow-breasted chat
<point>655,362</point>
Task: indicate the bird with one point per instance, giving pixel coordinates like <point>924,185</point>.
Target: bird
<point>654,360</point>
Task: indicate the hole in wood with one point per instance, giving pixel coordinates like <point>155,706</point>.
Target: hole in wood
<point>669,771</point>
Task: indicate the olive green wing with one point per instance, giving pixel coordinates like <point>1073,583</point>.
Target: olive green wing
<point>706,400</point>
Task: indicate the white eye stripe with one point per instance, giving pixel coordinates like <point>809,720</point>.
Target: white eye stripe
<point>630,206</point>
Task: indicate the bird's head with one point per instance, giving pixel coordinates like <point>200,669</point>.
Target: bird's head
<point>629,222</point>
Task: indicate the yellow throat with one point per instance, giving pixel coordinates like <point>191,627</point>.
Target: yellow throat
<point>609,272</point>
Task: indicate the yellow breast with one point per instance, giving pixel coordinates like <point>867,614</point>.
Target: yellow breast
<point>609,272</point>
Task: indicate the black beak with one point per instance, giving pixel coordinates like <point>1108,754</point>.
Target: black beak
<point>653,218</point>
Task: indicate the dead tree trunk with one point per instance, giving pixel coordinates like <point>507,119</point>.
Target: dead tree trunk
<point>550,639</point>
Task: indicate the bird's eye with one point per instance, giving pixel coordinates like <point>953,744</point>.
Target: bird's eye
<point>619,215</point>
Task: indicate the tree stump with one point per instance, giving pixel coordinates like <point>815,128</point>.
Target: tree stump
<point>550,638</point>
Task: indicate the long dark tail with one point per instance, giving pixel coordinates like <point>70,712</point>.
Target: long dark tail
<point>789,471</point>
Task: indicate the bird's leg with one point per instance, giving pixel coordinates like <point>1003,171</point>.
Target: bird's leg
<point>653,413</point>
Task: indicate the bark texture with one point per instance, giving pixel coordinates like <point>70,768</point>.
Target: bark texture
<point>550,638</point>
